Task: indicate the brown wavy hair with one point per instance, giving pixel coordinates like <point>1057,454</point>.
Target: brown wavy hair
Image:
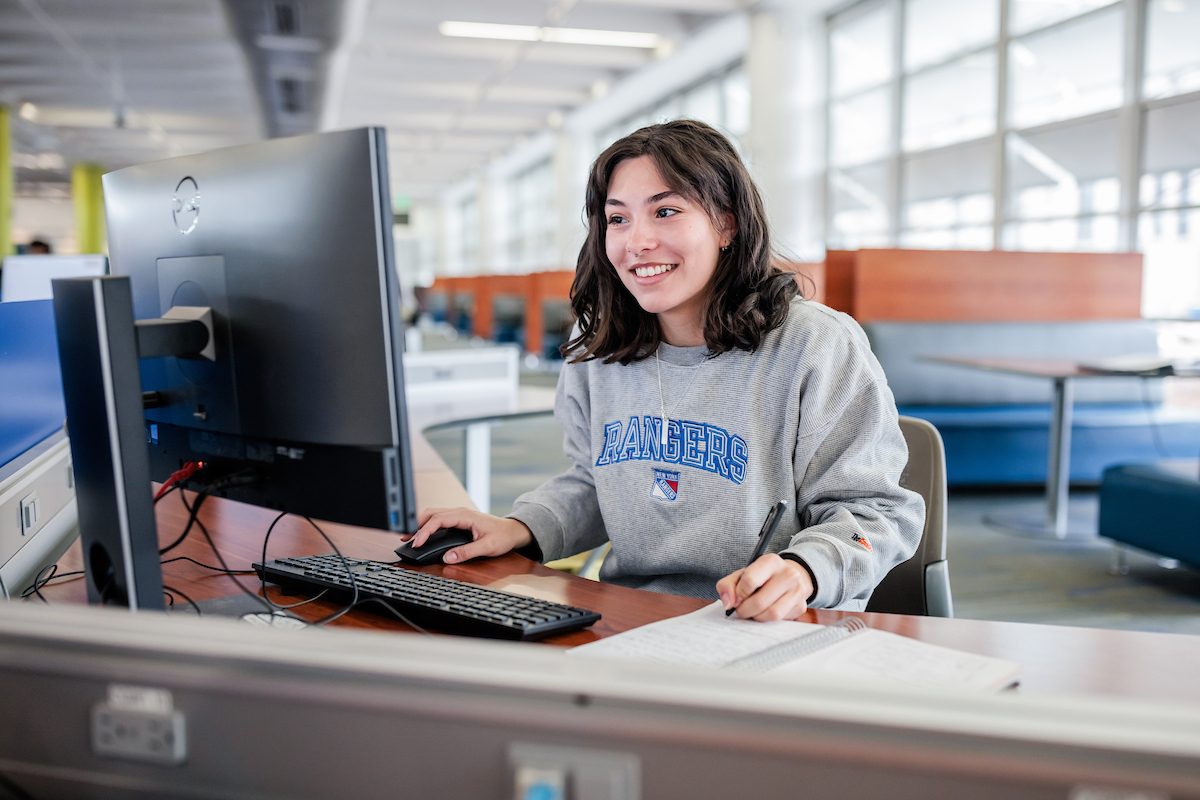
<point>748,297</point>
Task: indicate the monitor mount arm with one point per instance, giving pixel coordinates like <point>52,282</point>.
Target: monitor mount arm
<point>99,345</point>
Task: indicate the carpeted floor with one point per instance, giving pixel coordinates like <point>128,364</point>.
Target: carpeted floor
<point>993,574</point>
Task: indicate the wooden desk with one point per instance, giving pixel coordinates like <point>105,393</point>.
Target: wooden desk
<point>1054,659</point>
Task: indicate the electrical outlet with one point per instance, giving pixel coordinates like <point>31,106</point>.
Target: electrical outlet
<point>154,736</point>
<point>29,510</point>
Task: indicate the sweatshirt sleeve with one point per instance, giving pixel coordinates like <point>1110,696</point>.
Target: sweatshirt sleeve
<point>857,522</point>
<point>563,513</point>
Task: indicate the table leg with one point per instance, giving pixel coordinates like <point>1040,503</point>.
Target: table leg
<point>477,458</point>
<point>1055,521</point>
<point>1058,468</point>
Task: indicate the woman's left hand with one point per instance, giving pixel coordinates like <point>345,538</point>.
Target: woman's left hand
<point>771,588</point>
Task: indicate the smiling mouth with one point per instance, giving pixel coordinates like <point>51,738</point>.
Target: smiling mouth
<point>650,270</point>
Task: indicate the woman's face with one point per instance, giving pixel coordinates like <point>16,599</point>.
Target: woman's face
<point>663,246</point>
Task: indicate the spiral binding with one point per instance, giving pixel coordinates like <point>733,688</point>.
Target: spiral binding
<point>784,652</point>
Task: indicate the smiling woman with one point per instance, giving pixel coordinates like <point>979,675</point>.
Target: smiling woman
<point>664,248</point>
<point>699,392</point>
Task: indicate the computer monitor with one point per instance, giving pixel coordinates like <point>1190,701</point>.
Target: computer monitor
<point>301,407</point>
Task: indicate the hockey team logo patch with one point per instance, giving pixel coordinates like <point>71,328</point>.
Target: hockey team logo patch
<point>666,485</point>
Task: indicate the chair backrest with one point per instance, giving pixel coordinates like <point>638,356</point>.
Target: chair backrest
<point>921,585</point>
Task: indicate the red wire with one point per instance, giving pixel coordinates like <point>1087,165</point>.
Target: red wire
<point>179,476</point>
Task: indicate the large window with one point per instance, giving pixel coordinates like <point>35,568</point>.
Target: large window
<point>1169,202</point>
<point>1070,70</point>
<point>951,103</point>
<point>532,218</point>
<point>722,101</point>
<point>948,198</point>
<point>1063,192</point>
<point>1172,54</point>
<point>1026,124</point>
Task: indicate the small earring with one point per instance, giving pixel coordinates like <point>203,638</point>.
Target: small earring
<point>725,248</point>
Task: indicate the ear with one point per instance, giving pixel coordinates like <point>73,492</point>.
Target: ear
<point>726,228</point>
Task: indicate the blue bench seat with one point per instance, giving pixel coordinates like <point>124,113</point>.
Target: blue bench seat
<point>1009,444</point>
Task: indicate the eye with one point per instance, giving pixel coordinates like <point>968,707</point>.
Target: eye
<point>615,219</point>
<point>662,213</point>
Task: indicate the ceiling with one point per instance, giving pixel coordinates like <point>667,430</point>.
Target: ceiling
<point>119,82</point>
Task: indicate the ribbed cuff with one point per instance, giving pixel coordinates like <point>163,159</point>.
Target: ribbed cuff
<point>824,564</point>
<point>811,575</point>
<point>547,535</point>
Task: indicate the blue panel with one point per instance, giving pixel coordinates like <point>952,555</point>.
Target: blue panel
<point>31,398</point>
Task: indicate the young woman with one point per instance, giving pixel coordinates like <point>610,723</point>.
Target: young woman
<point>699,390</point>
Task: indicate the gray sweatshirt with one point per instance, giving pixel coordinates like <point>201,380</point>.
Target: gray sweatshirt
<point>808,417</point>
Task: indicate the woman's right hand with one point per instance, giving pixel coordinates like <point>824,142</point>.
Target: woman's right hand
<point>494,536</point>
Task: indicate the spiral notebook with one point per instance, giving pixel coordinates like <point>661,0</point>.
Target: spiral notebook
<point>849,648</point>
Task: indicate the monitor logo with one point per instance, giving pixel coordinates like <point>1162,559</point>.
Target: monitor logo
<point>185,205</point>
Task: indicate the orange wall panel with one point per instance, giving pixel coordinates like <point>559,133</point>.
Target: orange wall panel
<point>994,285</point>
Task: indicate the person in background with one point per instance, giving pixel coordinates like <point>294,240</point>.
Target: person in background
<point>37,247</point>
<point>700,389</point>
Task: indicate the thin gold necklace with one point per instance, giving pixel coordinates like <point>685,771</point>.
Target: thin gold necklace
<point>662,401</point>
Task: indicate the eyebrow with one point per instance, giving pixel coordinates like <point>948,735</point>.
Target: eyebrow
<point>612,201</point>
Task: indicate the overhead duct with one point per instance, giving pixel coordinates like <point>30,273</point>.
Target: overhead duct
<point>288,43</point>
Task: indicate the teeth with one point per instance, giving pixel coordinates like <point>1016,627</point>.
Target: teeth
<point>657,269</point>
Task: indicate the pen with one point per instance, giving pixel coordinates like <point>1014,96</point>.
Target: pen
<point>764,536</point>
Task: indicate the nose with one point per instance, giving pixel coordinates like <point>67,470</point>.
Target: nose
<point>641,238</point>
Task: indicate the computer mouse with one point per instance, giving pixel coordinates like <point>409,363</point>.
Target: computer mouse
<point>435,546</point>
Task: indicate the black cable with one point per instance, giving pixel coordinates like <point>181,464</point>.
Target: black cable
<point>262,582</point>
<point>43,577</point>
<point>221,559</point>
<point>394,612</point>
<point>193,517</point>
<point>171,591</point>
<point>167,492</point>
<point>354,582</point>
<point>285,607</point>
<point>221,570</point>
<point>354,601</point>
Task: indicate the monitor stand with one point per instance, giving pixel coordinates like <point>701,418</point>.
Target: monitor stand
<point>99,344</point>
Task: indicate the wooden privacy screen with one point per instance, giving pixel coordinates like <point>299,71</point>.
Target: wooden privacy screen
<point>879,285</point>
<point>536,288</point>
<point>983,285</point>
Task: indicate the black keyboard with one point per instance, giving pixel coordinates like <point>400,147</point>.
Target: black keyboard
<point>428,600</point>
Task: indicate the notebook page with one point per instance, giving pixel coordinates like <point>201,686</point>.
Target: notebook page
<point>882,657</point>
<point>706,638</point>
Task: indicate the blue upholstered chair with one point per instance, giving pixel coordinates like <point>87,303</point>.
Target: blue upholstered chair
<point>1152,507</point>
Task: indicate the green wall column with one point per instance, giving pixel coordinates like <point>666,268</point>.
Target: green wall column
<point>89,207</point>
<point>6,183</point>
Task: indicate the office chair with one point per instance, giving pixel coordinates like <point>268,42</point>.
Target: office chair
<point>921,585</point>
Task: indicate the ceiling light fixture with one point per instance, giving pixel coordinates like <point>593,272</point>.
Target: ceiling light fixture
<point>534,33</point>
<point>28,111</point>
<point>288,44</point>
